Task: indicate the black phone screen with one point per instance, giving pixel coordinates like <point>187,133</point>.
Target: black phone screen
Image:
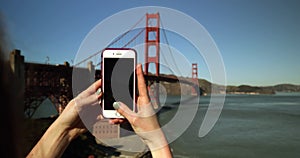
<point>118,82</point>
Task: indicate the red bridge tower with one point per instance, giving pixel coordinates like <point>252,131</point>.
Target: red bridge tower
<point>152,26</point>
<point>194,77</point>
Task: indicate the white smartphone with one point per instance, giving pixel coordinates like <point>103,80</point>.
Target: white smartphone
<point>118,79</point>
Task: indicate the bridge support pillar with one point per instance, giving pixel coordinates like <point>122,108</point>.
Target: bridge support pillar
<point>195,78</point>
<point>16,61</point>
<point>152,40</point>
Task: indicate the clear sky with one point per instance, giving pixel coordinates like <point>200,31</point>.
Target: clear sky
<point>259,40</point>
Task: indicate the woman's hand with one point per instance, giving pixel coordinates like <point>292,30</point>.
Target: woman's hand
<point>69,125</point>
<point>86,105</point>
<point>145,122</point>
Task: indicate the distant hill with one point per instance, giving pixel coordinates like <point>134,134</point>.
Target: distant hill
<point>248,89</point>
<point>206,87</point>
<point>285,88</point>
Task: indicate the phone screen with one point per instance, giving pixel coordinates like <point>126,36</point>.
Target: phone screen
<point>118,82</point>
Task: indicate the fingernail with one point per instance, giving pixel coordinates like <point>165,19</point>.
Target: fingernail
<point>98,92</point>
<point>116,105</point>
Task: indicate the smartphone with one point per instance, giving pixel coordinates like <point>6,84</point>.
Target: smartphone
<point>118,79</point>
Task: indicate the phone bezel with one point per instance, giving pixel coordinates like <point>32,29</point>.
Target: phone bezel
<point>117,53</point>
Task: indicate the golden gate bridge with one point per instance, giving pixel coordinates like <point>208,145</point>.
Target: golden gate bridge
<point>43,81</point>
<point>150,36</point>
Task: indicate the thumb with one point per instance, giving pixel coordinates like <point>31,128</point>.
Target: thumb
<point>125,111</point>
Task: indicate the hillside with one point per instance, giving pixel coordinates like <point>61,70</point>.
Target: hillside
<point>248,89</point>
<point>206,88</point>
<point>285,88</point>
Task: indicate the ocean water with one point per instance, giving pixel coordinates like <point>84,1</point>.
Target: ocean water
<point>249,126</point>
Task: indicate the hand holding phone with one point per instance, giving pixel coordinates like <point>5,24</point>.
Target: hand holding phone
<point>118,76</point>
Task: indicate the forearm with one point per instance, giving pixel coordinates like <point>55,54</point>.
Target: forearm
<point>53,143</point>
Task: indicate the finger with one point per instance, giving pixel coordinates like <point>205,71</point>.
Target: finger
<point>88,100</point>
<point>125,111</point>
<point>141,82</point>
<point>92,88</point>
<point>100,117</point>
<point>116,121</point>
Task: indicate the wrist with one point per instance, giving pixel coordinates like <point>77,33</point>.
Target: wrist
<point>62,130</point>
<point>158,144</point>
<point>155,139</point>
<point>67,122</point>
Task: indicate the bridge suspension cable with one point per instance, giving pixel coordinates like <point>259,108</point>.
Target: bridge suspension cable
<point>138,34</point>
<point>133,39</point>
<point>170,51</point>
<point>113,42</point>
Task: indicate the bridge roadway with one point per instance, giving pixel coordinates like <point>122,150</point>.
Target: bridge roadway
<point>55,82</point>
<point>169,78</point>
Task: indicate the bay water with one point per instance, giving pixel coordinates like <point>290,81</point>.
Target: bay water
<point>249,126</point>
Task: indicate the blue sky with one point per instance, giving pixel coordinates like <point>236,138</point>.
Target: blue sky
<point>259,40</point>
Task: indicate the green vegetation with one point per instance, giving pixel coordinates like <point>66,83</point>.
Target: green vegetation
<point>207,87</point>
